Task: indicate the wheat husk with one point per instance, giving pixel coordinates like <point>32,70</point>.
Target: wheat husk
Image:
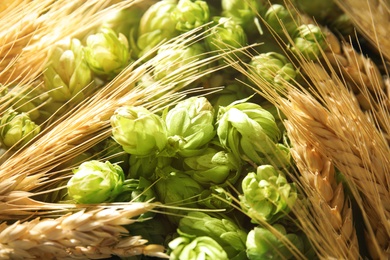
<point>90,233</point>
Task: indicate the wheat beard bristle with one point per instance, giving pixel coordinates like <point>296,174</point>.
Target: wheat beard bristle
<point>332,212</point>
<point>93,233</point>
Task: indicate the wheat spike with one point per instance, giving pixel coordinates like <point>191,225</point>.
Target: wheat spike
<point>332,214</point>
<point>90,233</point>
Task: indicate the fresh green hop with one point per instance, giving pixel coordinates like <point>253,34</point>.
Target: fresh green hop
<point>67,75</point>
<point>139,131</point>
<point>243,12</point>
<point>251,134</point>
<point>204,247</point>
<point>281,19</point>
<point>262,243</point>
<point>273,68</point>
<point>213,167</point>
<point>226,34</point>
<point>107,53</point>
<point>267,195</point>
<point>156,26</point>
<point>17,129</point>
<point>224,231</point>
<point>95,182</point>
<point>308,41</point>
<point>190,14</point>
<point>190,125</point>
<point>173,58</point>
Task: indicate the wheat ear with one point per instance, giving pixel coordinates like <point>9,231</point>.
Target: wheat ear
<point>331,210</point>
<point>91,233</point>
<point>356,148</point>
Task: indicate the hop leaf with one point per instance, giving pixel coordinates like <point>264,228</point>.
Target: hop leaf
<point>267,196</point>
<point>139,131</point>
<point>95,182</point>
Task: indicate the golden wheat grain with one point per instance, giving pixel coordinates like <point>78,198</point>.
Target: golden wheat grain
<point>91,233</point>
<point>332,214</point>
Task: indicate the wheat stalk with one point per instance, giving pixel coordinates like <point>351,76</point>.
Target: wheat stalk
<point>91,233</point>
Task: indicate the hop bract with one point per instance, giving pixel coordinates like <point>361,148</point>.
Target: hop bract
<point>107,52</point>
<point>204,248</point>
<point>251,134</point>
<point>273,68</point>
<point>95,182</point>
<point>67,73</point>
<point>262,243</point>
<point>190,124</point>
<point>281,19</point>
<point>267,196</point>
<point>225,232</point>
<point>190,14</point>
<point>16,129</point>
<point>139,131</point>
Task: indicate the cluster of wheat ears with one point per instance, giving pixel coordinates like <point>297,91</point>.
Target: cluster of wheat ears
<point>337,119</point>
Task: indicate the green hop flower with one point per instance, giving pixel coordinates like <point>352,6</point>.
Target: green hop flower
<point>267,196</point>
<point>95,182</point>
<point>156,26</point>
<point>250,133</point>
<point>308,41</point>
<point>224,231</point>
<point>139,131</point>
<point>17,129</point>
<point>273,68</point>
<point>243,12</point>
<point>190,125</point>
<point>281,19</point>
<point>107,53</point>
<point>213,167</point>
<point>262,243</point>
<point>190,14</point>
<point>67,75</point>
<point>183,248</point>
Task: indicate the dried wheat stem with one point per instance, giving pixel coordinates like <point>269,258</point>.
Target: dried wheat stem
<point>332,212</point>
<point>355,147</point>
<point>93,233</point>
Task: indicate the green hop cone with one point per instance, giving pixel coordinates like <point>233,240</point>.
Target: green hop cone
<point>262,243</point>
<point>95,182</point>
<point>156,26</point>
<point>139,131</point>
<point>177,189</point>
<point>17,129</point>
<point>308,41</point>
<point>225,232</point>
<point>67,75</point>
<point>243,12</point>
<point>204,247</point>
<point>190,14</point>
<point>281,19</point>
<point>267,196</point>
<point>273,68</point>
<point>213,167</point>
<point>107,53</point>
<point>226,34</point>
<point>251,134</point>
<point>172,58</point>
<point>190,125</point>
